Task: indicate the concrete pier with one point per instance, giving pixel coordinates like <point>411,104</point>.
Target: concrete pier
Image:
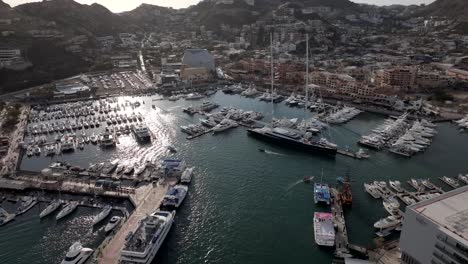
<point>341,236</point>
<point>147,200</point>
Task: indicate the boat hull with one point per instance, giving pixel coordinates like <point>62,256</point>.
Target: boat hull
<point>293,143</point>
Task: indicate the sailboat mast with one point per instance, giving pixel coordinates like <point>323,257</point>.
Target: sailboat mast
<point>271,63</point>
<point>307,73</point>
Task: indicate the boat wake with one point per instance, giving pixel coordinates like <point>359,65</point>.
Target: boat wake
<point>273,153</point>
<point>174,108</point>
<point>293,184</point>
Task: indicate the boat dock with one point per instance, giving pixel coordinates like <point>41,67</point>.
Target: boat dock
<point>341,236</point>
<point>347,153</point>
<point>199,134</point>
<point>451,184</point>
<point>147,200</point>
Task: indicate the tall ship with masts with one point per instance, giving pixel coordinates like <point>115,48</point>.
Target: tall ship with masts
<point>301,140</point>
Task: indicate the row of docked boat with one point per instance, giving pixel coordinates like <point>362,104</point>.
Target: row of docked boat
<point>271,97</point>
<point>417,139</point>
<point>342,115</point>
<point>26,204</point>
<point>295,100</point>
<point>77,254</point>
<point>250,92</point>
<point>191,96</point>
<point>463,123</point>
<point>203,108</point>
<point>390,129</point>
<point>312,124</point>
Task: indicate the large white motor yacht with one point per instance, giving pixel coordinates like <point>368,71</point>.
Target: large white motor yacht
<point>77,254</point>
<point>142,245</point>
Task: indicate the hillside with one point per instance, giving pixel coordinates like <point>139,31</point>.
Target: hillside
<point>212,13</point>
<point>148,17</point>
<point>76,18</point>
<point>3,5</point>
<point>457,9</point>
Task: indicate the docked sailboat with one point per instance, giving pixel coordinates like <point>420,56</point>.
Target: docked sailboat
<point>175,196</point>
<point>324,230</point>
<point>143,245</point>
<point>77,254</point>
<point>103,214</point>
<point>68,209</point>
<point>52,207</point>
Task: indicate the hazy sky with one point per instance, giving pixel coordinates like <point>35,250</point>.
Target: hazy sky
<point>124,5</point>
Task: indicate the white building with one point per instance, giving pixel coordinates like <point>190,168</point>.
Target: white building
<point>435,231</point>
<point>8,56</point>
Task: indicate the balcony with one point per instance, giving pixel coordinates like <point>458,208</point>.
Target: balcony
<point>454,257</point>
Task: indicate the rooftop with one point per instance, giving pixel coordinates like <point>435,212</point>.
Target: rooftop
<point>449,210</point>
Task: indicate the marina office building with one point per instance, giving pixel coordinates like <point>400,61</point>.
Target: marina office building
<point>435,231</point>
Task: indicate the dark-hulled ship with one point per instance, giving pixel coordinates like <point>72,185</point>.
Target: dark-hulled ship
<point>292,139</point>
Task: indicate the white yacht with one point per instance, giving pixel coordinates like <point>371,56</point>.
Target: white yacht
<point>450,181</point>
<point>142,132</point>
<point>392,205</point>
<point>187,175</point>
<point>52,207</point>
<point>396,185</point>
<point>175,196</point>
<point>67,145</point>
<point>142,245</point>
<point>26,204</point>
<point>68,209</point>
<point>194,96</point>
<point>209,122</point>
<point>103,214</point>
<point>408,200</point>
<point>463,178</point>
<point>372,190</point>
<point>94,139</point>
<point>115,220</point>
<point>224,125</point>
<point>107,140</point>
<point>387,222</point>
<point>77,254</point>
<point>5,217</point>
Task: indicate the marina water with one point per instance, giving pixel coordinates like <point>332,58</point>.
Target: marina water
<point>244,206</point>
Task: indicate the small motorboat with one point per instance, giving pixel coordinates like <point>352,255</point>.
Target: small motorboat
<point>261,150</point>
<point>115,220</point>
<point>172,149</point>
<point>308,179</point>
